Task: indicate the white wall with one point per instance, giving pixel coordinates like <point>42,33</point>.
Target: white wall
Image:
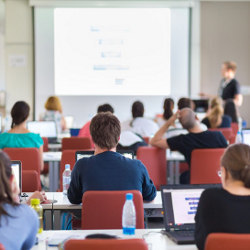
<point>18,42</point>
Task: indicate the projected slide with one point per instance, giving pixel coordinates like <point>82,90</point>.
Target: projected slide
<point>185,205</point>
<point>112,51</point>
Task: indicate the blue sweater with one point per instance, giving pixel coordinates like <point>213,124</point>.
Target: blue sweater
<point>109,171</point>
<point>18,231</point>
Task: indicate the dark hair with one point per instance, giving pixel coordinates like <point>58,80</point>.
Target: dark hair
<point>105,130</point>
<point>105,108</point>
<point>185,103</point>
<point>19,113</point>
<point>230,109</point>
<point>168,108</point>
<point>5,188</point>
<point>137,109</point>
<point>236,160</point>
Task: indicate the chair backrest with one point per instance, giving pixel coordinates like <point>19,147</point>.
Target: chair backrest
<point>235,129</point>
<point>103,209</point>
<point>30,181</point>
<point>76,143</point>
<point>2,247</point>
<point>227,132</point>
<point>29,157</point>
<point>228,241</point>
<point>205,164</point>
<point>156,163</point>
<point>68,157</point>
<point>45,144</point>
<point>106,244</point>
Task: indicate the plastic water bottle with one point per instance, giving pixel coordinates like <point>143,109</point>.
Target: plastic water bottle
<point>66,178</point>
<point>35,204</point>
<point>128,215</point>
<point>238,137</point>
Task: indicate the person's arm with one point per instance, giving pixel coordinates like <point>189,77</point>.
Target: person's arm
<point>41,156</point>
<point>37,195</point>
<point>238,100</point>
<point>158,140</point>
<point>63,123</point>
<point>75,189</point>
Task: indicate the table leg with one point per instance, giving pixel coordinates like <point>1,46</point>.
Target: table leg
<point>171,172</point>
<point>53,176</point>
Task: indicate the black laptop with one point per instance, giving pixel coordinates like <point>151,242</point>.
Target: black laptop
<point>180,204</point>
<point>83,154</point>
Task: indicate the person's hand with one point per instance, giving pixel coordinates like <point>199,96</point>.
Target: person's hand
<point>173,118</point>
<point>38,195</point>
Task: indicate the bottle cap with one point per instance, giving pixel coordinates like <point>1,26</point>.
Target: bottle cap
<point>129,196</point>
<point>35,202</point>
<point>67,166</point>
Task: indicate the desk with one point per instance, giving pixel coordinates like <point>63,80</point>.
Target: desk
<point>153,237</point>
<point>55,147</point>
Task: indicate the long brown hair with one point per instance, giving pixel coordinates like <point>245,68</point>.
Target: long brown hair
<point>5,188</point>
<point>236,160</point>
<point>216,112</point>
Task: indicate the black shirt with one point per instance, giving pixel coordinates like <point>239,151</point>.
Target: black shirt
<point>185,144</point>
<point>225,123</point>
<point>230,90</point>
<point>220,211</point>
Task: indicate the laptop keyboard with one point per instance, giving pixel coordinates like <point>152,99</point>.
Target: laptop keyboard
<point>182,233</point>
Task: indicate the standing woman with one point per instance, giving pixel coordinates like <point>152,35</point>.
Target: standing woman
<point>226,209</point>
<point>54,112</point>
<point>18,223</point>
<point>229,86</point>
<point>19,136</point>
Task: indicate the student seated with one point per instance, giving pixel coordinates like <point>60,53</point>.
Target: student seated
<point>216,117</point>
<point>19,136</point>
<point>84,131</point>
<point>18,223</point>
<point>226,210</point>
<point>107,169</point>
<point>168,108</point>
<point>185,144</point>
<point>54,112</point>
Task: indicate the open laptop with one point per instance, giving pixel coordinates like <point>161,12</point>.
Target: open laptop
<point>180,204</point>
<point>83,154</point>
<point>246,135</point>
<point>16,168</point>
<point>44,128</point>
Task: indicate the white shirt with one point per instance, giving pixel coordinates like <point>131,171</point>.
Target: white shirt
<point>144,127</point>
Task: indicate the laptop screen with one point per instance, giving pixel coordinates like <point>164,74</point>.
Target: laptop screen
<point>83,154</point>
<point>246,136</point>
<point>17,172</point>
<point>44,128</point>
<point>180,203</point>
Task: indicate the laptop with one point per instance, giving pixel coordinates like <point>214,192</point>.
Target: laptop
<point>246,135</point>
<point>16,168</point>
<point>83,154</point>
<point>180,203</point>
<point>201,105</point>
<point>44,128</point>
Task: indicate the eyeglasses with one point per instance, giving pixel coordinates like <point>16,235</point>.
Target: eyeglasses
<point>219,173</point>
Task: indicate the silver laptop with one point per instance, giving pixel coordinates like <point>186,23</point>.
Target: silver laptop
<point>44,128</point>
<point>16,168</point>
<point>246,135</point>
<point>83,154</point>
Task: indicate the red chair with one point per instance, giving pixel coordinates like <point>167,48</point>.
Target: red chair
<point>106,244</point>
<point>30,181</point>
<point>2,247</point>
<point>45,149</point>
<point>156,163</point>
<point>103,209</point>
<point>227,132</point>
<point>146,139</point>
<point>205,164</point>
<point>79,143</point>
<point>29,157</point>
<point>235,129</point>
<point>227,241</point>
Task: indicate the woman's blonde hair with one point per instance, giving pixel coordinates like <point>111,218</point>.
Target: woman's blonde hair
<point>216,112</point>
<point>53,103</point>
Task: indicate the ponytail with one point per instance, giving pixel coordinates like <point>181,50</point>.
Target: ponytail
<point>168,108</point>
<point>216,113</point>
